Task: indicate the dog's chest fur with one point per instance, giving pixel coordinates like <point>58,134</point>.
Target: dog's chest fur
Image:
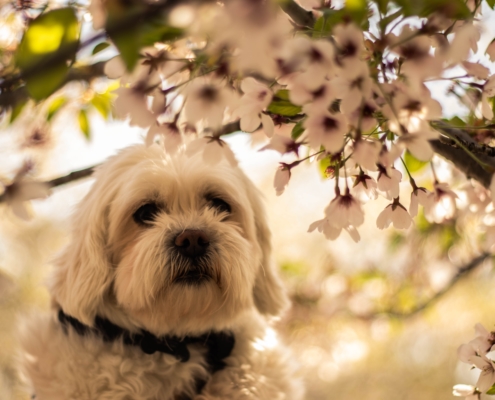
<point>67,366</point>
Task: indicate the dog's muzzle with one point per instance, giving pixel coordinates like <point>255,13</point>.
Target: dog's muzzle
<point>192,246</point>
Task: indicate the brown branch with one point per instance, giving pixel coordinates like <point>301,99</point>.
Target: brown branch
<point>79,73</point>
<point>449,149</point>
<point>461,273</point>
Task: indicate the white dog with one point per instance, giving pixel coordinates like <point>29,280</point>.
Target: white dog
<point>165,291</point>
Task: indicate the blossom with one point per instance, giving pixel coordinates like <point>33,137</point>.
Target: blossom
<point>476,69</point>
<point>169,133</point>
<point>442,206</point>
<point>366,154</point>
<point>467,391</point>
<point>206,101</point>
<point>395,214</point>
<point>419,195</point>
<point>331,232</point>
<point>21,190</point>
<point>256,98</point>
<point>327,130</point>
<point>132,102</point>
<point>214,150</point>
<point>365,188</point>
<point>490,50</point>
<point>350,44</point>
<point>388,182</point>
<point>418,143</point>
<point>344,210</point>
<point>281,179</point>
<point>466,38</point>
<point>488,91</point>
<point>487,376</point>
<point>282,144</point>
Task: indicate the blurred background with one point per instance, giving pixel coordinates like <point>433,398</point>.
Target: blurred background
<point>380,319</point>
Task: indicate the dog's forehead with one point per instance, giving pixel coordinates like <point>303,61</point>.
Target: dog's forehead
<point>153,173</point>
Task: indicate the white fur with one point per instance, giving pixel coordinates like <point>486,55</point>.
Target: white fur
<point>117,269</point>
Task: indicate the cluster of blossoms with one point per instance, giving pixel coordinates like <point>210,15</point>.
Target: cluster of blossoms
<point>355,100</point>
<point>475,353</point>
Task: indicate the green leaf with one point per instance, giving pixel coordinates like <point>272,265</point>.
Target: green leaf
<point>412,163</point>
<point>46,49</point>
<point>103,104</point>
<point>100,47</point>
<point>146,32</point>
<point>491,3</point>
<point>455,9</point>
<point>55,106</point>
<point>281,105</point>
<point>456,121</point>
<point>84,123</point>
<point>16,111</point>
<point>382,5</point>
<point>491,391</point>
<point>323,27</point>
<point>159,32</point>
<point>298,130</point>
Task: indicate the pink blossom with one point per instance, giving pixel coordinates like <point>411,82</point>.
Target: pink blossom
<point>255,99</point>
<point>467,391</point>
<point>490,50</point>
<point>207,101</point>
<point>396,215</point>
<point>443,205</point>
<point>23,189</point>
<point>132,102</point>
<point>388,182</point>
<point>331,232</point>
<point>419,195</point>
<point>214,150</point>
<point>283,145</point>
<point>281,179</point>
<point>365,188</point>
<point>344,210</point>
<point>487,376</point>
<point>476,69</point>
<point>327,130</point>
<point>366,154</point>
<point>169,134</point>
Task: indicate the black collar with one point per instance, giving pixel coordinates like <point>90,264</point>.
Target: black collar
<point>219,344</point>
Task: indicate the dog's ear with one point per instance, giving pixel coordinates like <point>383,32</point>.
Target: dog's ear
<point>269,293</point>
<point>84,270</point>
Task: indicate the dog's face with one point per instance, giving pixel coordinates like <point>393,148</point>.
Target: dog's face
<point>174,244</point>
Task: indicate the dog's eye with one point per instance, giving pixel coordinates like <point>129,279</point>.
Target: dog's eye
<point>220,205</point>
<point>146,213</point>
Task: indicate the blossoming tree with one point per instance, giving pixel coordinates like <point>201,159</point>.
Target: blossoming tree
<point>347,87</point>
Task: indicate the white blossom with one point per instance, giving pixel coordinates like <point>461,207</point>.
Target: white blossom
<point>281,180</point>
<point>419,196</point>
<point>366,153</point>
<point>365,188</point>
<point>396,215</point>
<point>214,150</point>
<point>327,130</point>
<point>443,205</point>
<point>207,101</point>
<point>388,182</point>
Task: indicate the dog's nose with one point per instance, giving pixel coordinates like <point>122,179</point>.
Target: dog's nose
<point>192,243</point>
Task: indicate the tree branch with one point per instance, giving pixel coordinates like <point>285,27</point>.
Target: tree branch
<point>461,272</point>
<point>79,73</point>
<point>448,147</point>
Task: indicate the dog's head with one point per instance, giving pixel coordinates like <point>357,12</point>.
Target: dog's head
<point>172,243</point>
